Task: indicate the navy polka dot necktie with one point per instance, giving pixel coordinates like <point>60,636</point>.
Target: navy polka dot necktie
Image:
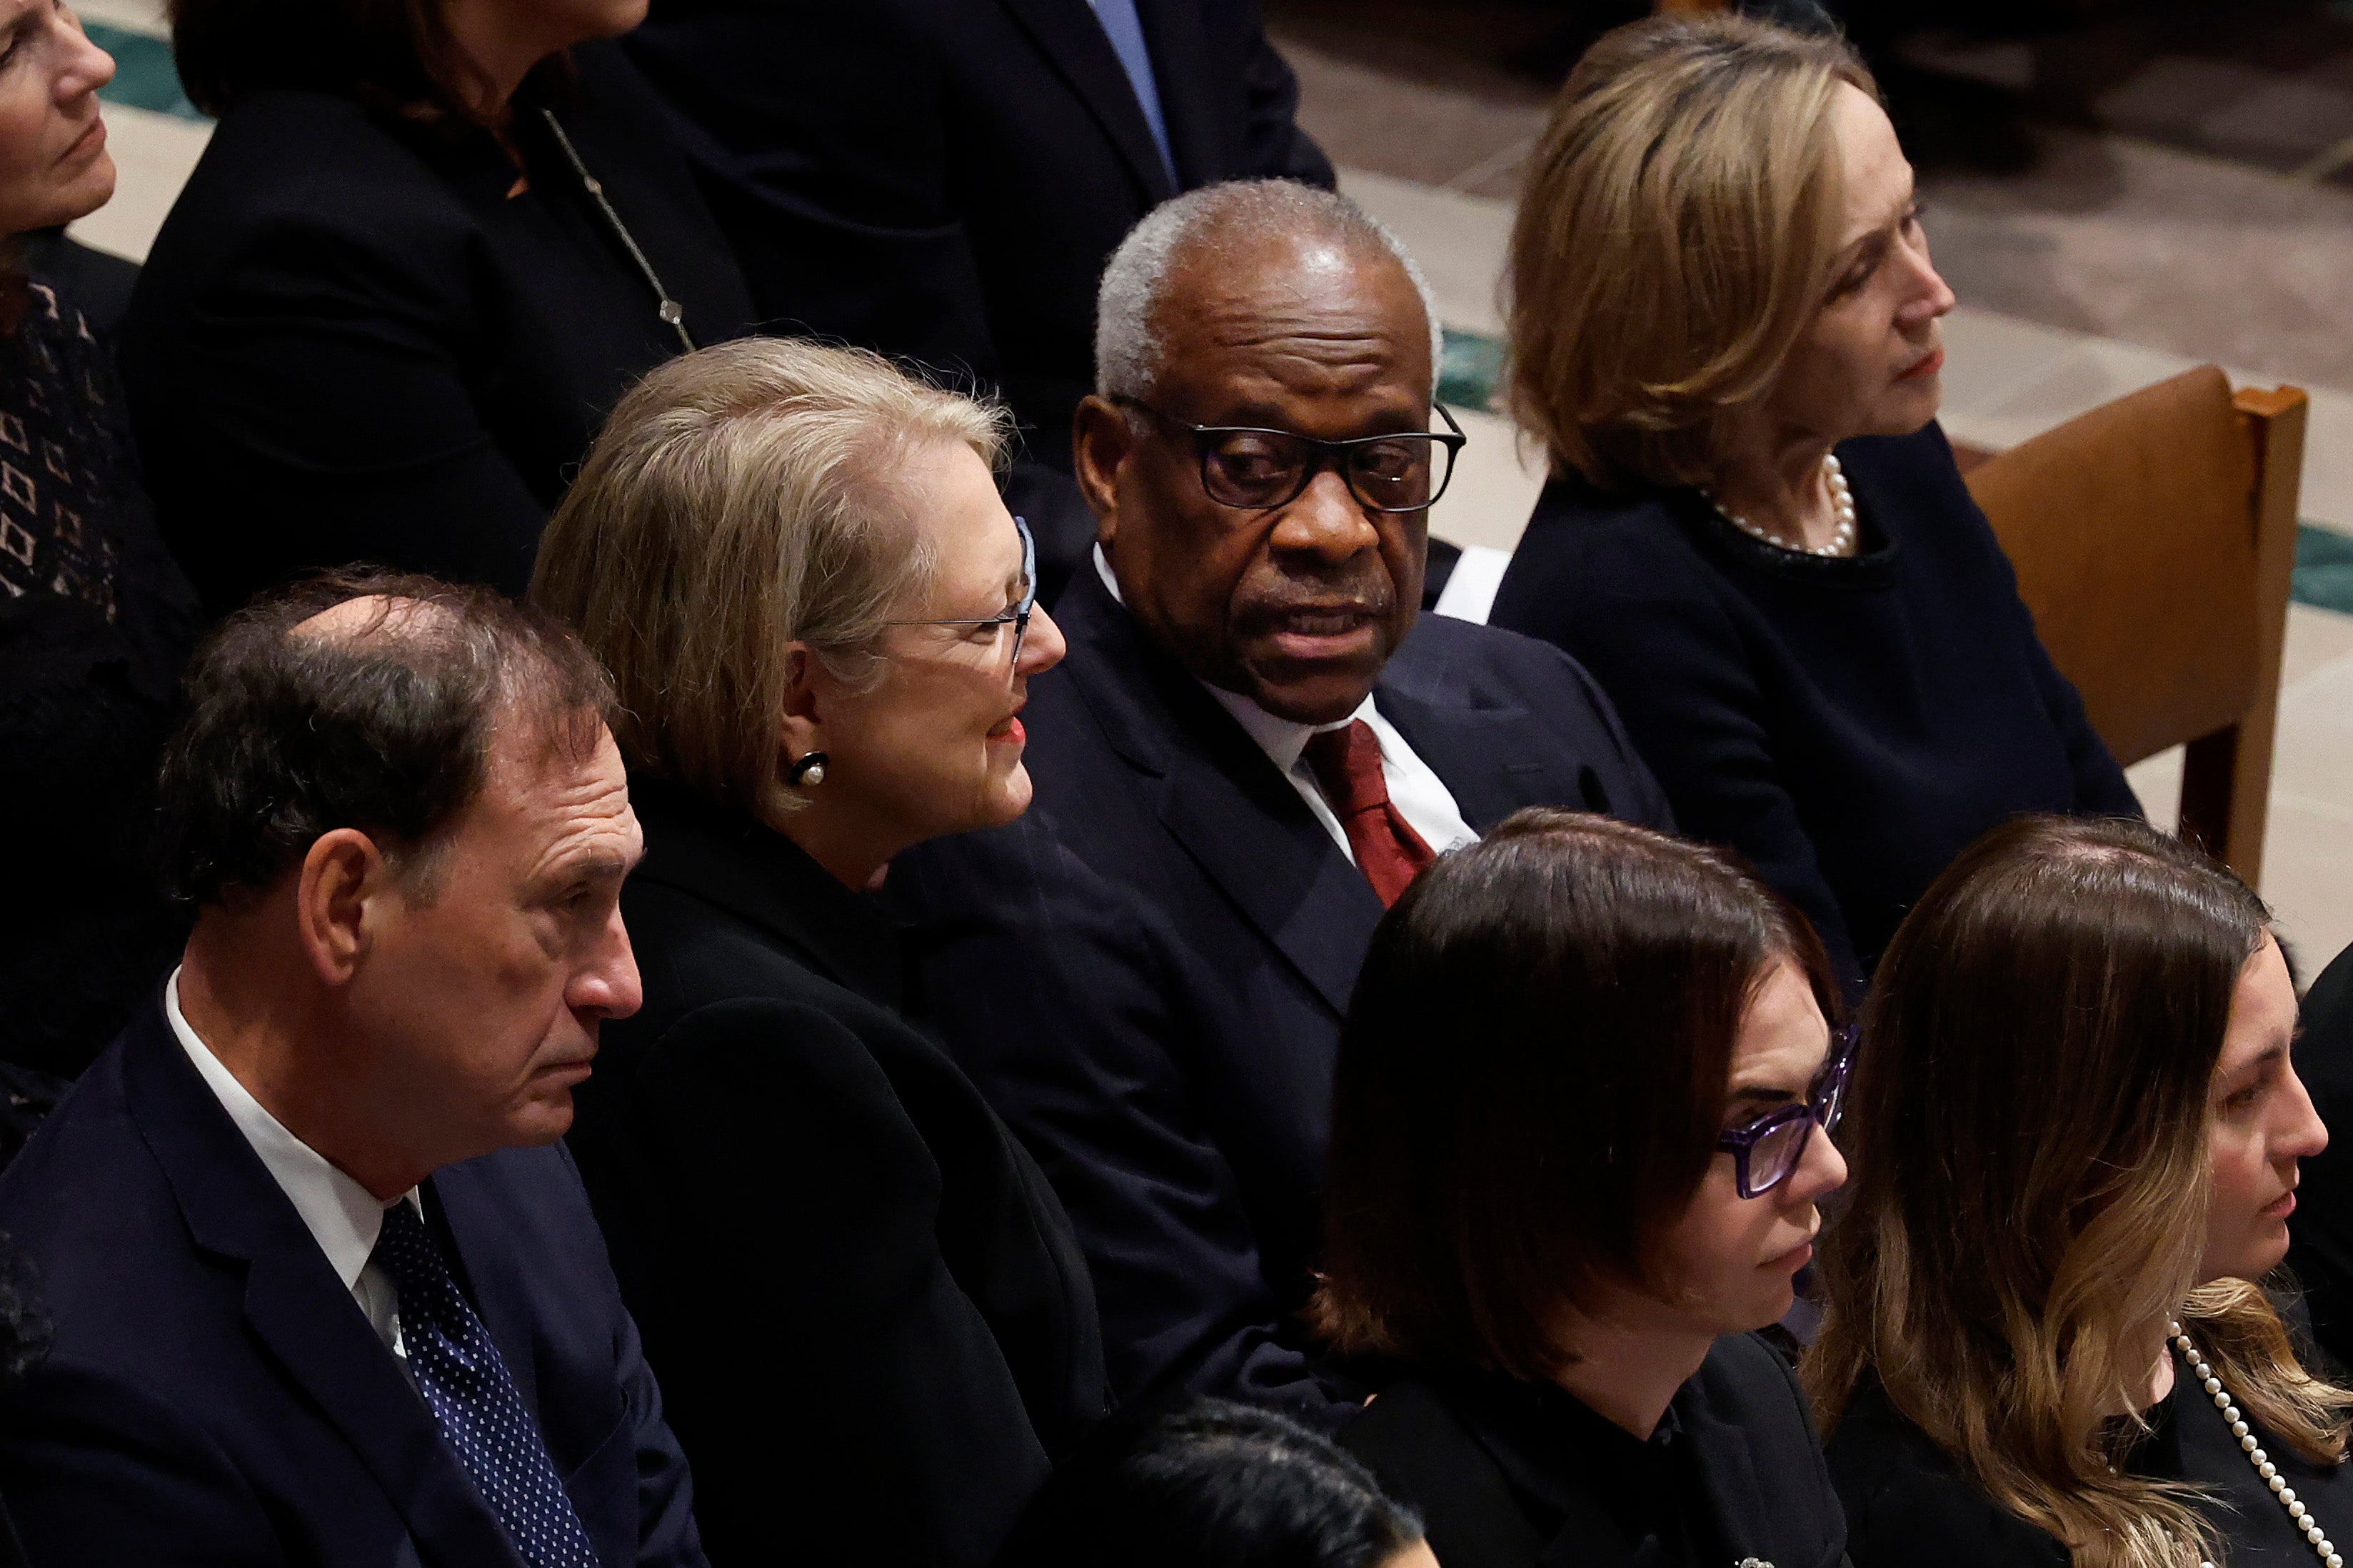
<point>473,1399</point>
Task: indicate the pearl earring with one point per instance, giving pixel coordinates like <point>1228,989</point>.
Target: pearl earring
<point>808,772</point>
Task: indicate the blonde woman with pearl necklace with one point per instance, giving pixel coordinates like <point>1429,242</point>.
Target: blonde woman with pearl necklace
<point>1726,332</point>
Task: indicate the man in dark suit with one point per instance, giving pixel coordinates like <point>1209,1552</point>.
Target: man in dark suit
<point>1253,746</point>
<point>323,1286</point>
<point>941,179</point>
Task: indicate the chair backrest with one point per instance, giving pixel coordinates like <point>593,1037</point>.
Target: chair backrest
<point>2153,538</point>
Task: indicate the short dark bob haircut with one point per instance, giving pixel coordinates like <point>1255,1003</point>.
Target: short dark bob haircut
<point>1530,1082</point>
<point>397,56</point>
<point>1209,1484</point>
<point>287,736</point>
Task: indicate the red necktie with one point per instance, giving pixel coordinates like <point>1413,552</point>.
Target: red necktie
<point>1347,763</point>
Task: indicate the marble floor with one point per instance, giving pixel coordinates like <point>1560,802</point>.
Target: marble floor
<point>2189,200</point>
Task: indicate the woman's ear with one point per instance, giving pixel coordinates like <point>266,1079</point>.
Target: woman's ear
<point>800,729</point>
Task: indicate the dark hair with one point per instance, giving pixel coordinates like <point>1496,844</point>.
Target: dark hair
<point>389,729</point>
<point>394,56</point>
<point>1208,1485</point>
<point>1530,1082</point>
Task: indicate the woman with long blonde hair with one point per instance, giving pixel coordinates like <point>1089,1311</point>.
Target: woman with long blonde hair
<point>2076,1133</point>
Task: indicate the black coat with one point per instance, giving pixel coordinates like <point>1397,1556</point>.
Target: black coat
<point>1512,1475</point>
<point>1146,974</point>
<point>214,1395</point>
<point>1847,725</point>
<point>1908,1505</point>
<point>2320,1239</point>
<point>943,179</point>
<point>862,1298</point>
<point>352,343</point>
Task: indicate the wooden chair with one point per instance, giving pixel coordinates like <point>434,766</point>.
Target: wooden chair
<point>2153,538</point>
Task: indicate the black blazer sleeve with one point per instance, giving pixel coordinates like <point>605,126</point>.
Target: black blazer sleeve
<point>1672,663</point>
<point>333,411</point>
<point>1274,146</point>
<point>1076,1012</point>
<point>100,1473</point>
<point>860,1386</point>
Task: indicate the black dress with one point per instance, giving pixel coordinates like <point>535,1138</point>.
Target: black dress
<point>1847,725</point>
<point>871,1323</point>
<point>95,623</point>
<point>1510,1475</point>
<point>1909,1507</point>
<point>358,339</point>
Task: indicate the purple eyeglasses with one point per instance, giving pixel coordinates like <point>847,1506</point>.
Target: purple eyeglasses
<point>1766,1151</point>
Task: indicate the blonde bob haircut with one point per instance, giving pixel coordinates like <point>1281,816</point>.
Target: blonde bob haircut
<point>743,499</point>
<point>1673,240</point>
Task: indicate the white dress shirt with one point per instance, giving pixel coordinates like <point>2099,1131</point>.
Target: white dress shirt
<point>1421,796</point>
<point>343,1216</point>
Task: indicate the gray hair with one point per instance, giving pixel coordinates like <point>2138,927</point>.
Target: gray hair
<point>1129,353</point>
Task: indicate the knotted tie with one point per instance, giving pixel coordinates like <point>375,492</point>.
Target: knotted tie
<point>473,1399</point>
<point>1347,763</point>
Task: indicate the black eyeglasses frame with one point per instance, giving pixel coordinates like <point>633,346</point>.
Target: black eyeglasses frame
<point>1321,455</point>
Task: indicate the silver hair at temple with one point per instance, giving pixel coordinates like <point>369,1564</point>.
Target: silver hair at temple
<point>1128,348</point>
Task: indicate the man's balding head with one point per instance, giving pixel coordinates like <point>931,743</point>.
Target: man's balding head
<point>1278,307</point>
<point>361,699</point>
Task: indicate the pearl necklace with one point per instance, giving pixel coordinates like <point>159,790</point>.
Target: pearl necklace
<point>1841,502</point>
<point>2212,1387</point>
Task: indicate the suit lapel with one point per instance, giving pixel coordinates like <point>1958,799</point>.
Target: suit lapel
<point>300,1310</point>
<point>1493,761</point>
<point>1221,799</point>
<point>1068,35</point>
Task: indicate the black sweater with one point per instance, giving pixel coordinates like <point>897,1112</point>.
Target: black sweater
<point>871,1320</point>
<point>356,340</point>
<point>1847,725</point>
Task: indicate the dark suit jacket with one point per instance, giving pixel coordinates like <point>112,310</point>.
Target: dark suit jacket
<point>352,343</point>
<point>943,179</point>
<point>1146,974</point>
<point>865,1304</point>
<point>1509,1475</point>
<point>214,1394</point>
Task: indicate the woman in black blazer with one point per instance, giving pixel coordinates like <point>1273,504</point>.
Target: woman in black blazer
<point>1756,537</point>
<point>2077,1140</point>
<point>410,275</point>
<point>1573,1172</point>
<point>871,1323</point>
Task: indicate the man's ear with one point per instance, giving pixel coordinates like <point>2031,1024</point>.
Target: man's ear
<point>1102,441</point>
<point>343,880</point>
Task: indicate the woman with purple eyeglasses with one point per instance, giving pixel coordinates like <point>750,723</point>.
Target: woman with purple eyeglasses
<point>1573,1169</point>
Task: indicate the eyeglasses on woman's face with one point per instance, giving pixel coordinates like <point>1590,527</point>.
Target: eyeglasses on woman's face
<point>1254,470</point>
<point>1767,1151</point>
<point>1016,614</point>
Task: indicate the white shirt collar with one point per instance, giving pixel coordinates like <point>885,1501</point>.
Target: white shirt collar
<point>344,1217</point>
<point>1283,741</point>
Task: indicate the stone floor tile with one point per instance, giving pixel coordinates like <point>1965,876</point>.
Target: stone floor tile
<point>2308,877</point>
<point>1460,240</point>
<point>2316,639</point>
<point>1432,135</point>
<point>137,15</point>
